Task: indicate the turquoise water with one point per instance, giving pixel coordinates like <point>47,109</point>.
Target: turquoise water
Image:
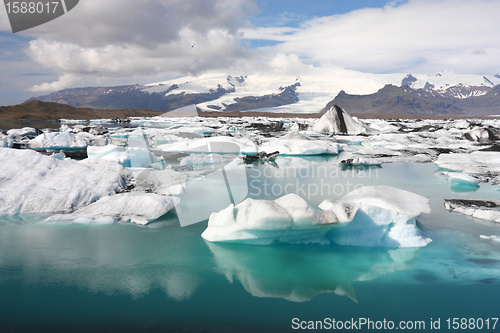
<point>164,277</point>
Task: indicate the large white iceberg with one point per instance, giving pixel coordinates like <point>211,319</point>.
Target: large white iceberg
<point>34,183</point>
<point>336,120</point>
<point>136,207</point>
<point>370,216</point>
<point>287,219</point>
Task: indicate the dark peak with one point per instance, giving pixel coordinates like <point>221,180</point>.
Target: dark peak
<point>428,86</point>
<point>497,76</point>
<point>408,80</point>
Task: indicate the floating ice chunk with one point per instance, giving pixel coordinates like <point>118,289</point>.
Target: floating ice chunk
<point>216,144</point>
<point>135,157</point>
<point>57,140</point>
<point>336,120</point>
<point>495,238</point>
<point>25,131</point>
<point>287,219</point>
<point>461,178</point>
<point>296,144</point>
<point>460,124</point>
<point>380,216</point>
<point>486,209</point>
<point>166,182</point>
<point>485,163</point>
<point>136,207</point>
<point>33,183</point>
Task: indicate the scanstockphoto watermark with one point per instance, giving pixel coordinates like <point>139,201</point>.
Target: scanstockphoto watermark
<point>309,180</point>
<point>24,15</point>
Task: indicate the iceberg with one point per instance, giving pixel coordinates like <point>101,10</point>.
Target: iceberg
<point>57,140</point>
<point>378,216</point>
<point>485,209</point>
<point>484,164</point>
<point>216,144</point>
<point>296,144</point>
<point>287,219</point>
<point>34,183</point>
<point>369,216</point>
<point>336,120</point>
<point>135,207</point>
<point>131,157</point>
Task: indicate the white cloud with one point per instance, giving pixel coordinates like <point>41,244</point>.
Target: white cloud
<point>115,38</point>
<point>420,36</point>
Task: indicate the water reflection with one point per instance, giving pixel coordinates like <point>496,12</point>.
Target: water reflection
<point>116,259</point>
<point>299,273</point>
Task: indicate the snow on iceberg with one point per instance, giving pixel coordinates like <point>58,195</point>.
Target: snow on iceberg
<point>263,222</point>
<point>135,207</point>
<point>166,182</point>
<point>378,216</point>
<point>373,216</point>
<point>479,163</point>
<point>134,157</point>
<point>34,183</point>
<point>336,120</point>
<point>216,144</point>
<point>296,144</point>
<point>57,140</point>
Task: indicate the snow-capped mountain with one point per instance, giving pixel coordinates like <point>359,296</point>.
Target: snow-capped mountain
<point>308,92</point>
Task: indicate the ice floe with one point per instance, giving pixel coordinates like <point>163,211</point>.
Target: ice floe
<point>33,183</point>
<point>374,216</point>
<point>287,219</point>
<point>483,164</point>
<point>216,144</point>
<point>135,207</point>
<point>57,140</point>
<point>485,209</point>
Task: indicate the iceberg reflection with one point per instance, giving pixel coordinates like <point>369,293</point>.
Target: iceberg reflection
<point>298,274</point>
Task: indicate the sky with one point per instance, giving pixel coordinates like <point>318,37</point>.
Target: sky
<point>116,42</point>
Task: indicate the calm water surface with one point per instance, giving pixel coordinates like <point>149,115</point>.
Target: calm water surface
<point>164,277</point>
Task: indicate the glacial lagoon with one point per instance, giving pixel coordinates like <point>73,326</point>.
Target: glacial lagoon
<point>164,277</point>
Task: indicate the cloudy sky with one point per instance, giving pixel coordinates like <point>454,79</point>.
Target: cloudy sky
<point>116,42</point>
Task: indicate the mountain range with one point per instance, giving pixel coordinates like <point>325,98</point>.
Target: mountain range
<point>444,93</point>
